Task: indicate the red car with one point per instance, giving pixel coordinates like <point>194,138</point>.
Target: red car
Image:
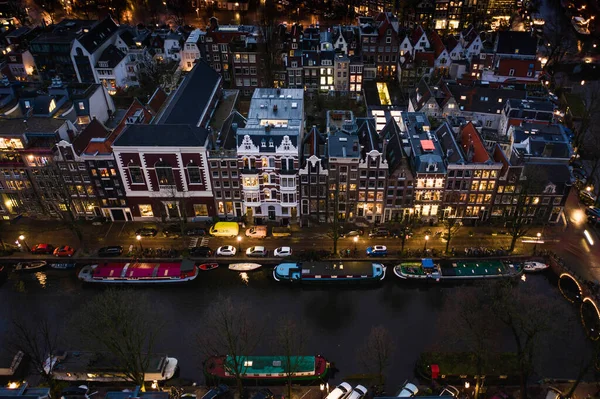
<point>42,249</point>
<point>63,251</point>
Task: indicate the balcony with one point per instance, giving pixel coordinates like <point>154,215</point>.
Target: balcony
<point>252,188</point>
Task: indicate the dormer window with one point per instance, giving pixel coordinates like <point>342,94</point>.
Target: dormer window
<point>271,143</point>
<point>27,104</point>
<point>263,143</point>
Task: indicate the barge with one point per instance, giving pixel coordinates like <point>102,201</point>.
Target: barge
<point>103,367</point>
<point>329,272</point>
<point>428,270</point>
<point>139,273</point>
<point>267,369</point>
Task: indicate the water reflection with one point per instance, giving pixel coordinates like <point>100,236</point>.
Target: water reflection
<point>245,278</point>
<point>42,278</point>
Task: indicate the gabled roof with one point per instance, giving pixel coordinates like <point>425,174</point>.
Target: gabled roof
<point>191,100</point>
<point>127,36</point>
<point>95,130</point>
<point>227,135</point>
<point>367,135</point>
<point>416,35</point>
<point>451,43</point>
<point>436,43</point>
<point>98,34</point>
<point>438,90</point>
<point>343,145</point>
<point>514,42</point>
<point>164,135</point>
<point>313,144</point>
<point>19,126</point>
<point>393,150</point>
<point>472,146</point>
<point>450,148</point>
<point>112,55</point>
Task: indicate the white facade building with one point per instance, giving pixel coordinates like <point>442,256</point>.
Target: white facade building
<point>268,154</point>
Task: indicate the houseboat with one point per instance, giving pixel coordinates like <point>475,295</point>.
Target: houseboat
<point>139,273</point>
<point>329,272</point>
<point>103,367</point>
<point>534,267</point>
<point>33,266</point>
<point>428,270</point>
<point>267,369</point>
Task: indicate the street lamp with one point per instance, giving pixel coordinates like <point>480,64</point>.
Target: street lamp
<point>355,241</point>
<point>239,240</point>
<point>139,239</point>
<point>22,238</point>
<point>426,239</point>
<point>538,235</point>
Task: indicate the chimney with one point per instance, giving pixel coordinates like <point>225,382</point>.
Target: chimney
<point>278,91</point>
<point>275,108</point>
<point>355,146</point>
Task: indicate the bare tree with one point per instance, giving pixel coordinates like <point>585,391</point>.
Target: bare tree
<point>452,226</point>
<point>334,228</point>
<point>589,115</point>
<point>557,42</point>
<point>229,329</point>
<point>376,353</point>
<point>123,323</point>
<point>38,341</point>
<point>528,316</point>
<point>291,341</point>
<point>467,321</point>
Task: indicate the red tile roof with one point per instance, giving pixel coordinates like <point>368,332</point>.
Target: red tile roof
<point>436,42</point>
<point>425,56</point>
<point>157,100</point>
<point>416,35</point>
<point>471,143</point>
<point>451,43</point>
<point>95,130</point>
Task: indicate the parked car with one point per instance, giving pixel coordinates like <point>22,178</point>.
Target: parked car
<point>195,231</point>
<point>340,392</point>
<point>256,251</point>
<point>377,250</point>
<point>450,390</point>
<point>408,390</point>
<point>282,252</point>
<point>591,211</point>
<point>116,250</point>
<point>358,392</point>
<point>379,232</point>
<point>99,220</point>
<point>146,232</point>
<point>202,252</point>
<point>216,392</point>
<point>226,250</point>
<point>352,233</point>
<point>42,249</point>
<point>587,198</point>
<point>64,251</point>
<point>172,231</point>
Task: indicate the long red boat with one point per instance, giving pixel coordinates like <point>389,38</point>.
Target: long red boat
<point>139,272</point>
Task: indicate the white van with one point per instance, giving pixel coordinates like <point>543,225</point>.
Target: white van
<point>358,392</point>
<point>340,392</point>
<point>225,229</point>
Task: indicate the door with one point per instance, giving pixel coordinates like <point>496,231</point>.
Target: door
<point>272,213</point>
<point>118,215</point>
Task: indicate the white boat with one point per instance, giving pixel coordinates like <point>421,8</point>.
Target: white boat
<point>244,267</point>
<point>139,273</point>
<point>34,266</point>
<point>532,267</point>
<point>103,367</point>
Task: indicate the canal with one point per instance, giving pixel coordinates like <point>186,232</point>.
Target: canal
<point>336,319</point>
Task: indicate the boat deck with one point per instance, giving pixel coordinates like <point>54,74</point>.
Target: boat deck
<point>471,268</point>
<point>92,361</point>
<point>340,268</point>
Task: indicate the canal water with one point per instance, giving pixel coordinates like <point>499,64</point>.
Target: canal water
<point>336,319</point>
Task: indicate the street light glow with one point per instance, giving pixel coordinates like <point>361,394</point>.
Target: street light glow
<point>21,237</point>
<point>138,237</point>
<point>588,237</point>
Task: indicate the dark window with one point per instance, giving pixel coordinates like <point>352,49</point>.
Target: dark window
<point>194,174</point>
<point>164,174</point>
<point>136,175</point>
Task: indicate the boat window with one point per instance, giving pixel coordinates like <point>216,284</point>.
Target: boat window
<point>277,363</point>
<point>248,363</point>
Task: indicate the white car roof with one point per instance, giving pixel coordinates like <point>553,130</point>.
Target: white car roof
<point>285,249</point>
<point>259,248</point>
<point>383,247</point>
